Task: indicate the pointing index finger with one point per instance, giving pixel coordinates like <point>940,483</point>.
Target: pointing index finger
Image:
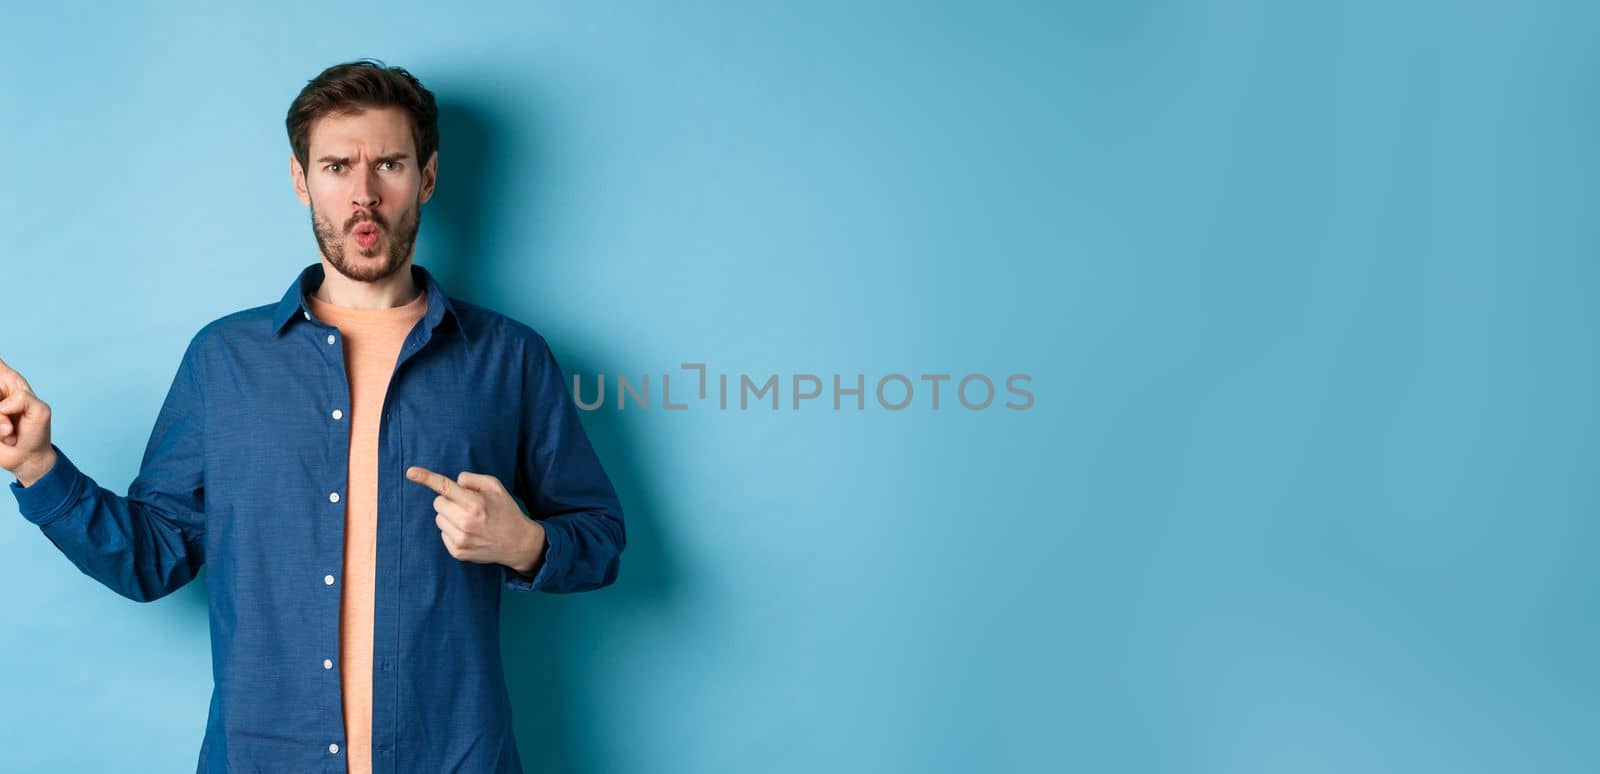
<point>438,483</point>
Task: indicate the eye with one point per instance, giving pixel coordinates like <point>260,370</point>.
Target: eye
<point>330,167</point>
<point>393,164</point>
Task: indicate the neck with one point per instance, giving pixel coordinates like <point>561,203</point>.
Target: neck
<point>397,289</point>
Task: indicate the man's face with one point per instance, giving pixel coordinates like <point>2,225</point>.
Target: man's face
<point>365,189</point>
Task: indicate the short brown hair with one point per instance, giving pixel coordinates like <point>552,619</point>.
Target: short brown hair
<point>355,86</point>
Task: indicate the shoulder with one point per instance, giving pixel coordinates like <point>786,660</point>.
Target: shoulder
<point>497,329</point>
<point>501,337</point>
<point>244,327</point>
<point>236,323</point>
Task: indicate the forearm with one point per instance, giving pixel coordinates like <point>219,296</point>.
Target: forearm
<point>125,543</point>
<point>584,550</point>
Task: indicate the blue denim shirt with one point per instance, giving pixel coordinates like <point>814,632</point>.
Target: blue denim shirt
<point>238,476</point>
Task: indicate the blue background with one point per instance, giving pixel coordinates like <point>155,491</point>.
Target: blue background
<point>1303,290</point>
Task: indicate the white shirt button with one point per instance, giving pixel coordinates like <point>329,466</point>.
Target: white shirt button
<point>307,314</point>
<point>337,414</point>
<point>333,748</point>
<point>327,663</point>
<point>330,338</point>
<point>327,580</point>
<point>333,497</point>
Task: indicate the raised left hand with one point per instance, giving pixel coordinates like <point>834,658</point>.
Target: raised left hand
<point>479,522</point>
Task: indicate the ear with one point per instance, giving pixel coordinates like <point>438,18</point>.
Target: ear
<point>430,175</point>
<point>297,174</point>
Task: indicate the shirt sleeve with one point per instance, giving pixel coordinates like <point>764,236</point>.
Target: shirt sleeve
<point>560,479</point>
<point>150,543</point>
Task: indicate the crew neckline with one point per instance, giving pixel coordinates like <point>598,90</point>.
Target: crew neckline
<point>329,309</point>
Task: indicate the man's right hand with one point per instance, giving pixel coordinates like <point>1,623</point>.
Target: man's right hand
<point>24,429</point>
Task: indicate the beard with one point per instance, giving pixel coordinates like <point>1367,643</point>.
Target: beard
<point>395,245</point>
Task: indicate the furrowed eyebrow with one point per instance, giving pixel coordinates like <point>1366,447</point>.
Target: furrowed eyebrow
<point>346,159</point>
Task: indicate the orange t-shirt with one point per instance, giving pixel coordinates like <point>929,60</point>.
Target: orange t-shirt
<point>372,341</point>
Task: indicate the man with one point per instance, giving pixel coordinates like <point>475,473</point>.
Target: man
<point>345,461</point>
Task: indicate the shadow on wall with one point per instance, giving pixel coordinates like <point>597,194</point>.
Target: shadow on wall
<point>550,642</point>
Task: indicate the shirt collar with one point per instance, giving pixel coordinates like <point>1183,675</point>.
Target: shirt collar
<point>294,305</point>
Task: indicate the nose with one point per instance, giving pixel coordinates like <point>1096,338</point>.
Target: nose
<point>364,190</point>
